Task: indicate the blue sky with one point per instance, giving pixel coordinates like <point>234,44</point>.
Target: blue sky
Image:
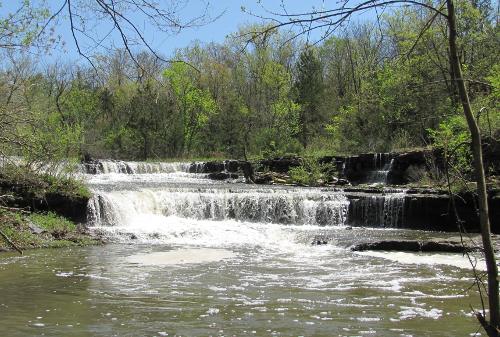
<point>232,17</point>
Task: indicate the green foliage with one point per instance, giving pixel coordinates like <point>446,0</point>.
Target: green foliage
<point>371,88</point>
<point>195,104</point>
<point>57,232</point>
<point>41,184</point>
<point>494,79</point>
<point>309,173</point>
<point>309,87</point>
<point>50,141</point>
<point>453,140</point>
<point>23,27</point>
<point>52,222</point>
<point>66,186</point>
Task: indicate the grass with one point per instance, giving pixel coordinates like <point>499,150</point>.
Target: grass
<point>56,231</point>
<point>39,184</point>
<point>66,186</point>
<point>52,222</point>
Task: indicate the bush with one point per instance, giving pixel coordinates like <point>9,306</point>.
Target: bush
<point>310,173</point>
<point>41,184</point>
<point>452,139</point>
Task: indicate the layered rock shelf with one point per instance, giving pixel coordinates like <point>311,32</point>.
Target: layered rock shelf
<point>374,184</point>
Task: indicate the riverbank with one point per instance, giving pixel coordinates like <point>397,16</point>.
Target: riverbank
<point>42,211</point>
<point>41,230</point>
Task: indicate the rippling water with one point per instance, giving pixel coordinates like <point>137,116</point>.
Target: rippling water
<point>259,291</point>
<point>179,274</point>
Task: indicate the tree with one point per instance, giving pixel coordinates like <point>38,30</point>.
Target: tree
<point>336,17</point>
<point>97,24</point>
<point>309,86</point>
<point>195,104</point>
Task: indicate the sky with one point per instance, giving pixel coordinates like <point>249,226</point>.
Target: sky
<point>229,18</point>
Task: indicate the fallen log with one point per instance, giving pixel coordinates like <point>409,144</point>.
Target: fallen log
<point>11,243</point>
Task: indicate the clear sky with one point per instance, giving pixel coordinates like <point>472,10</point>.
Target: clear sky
<point>232,17</point>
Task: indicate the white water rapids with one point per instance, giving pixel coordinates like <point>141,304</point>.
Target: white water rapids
<point>194,257</point>
<point>162,203</point>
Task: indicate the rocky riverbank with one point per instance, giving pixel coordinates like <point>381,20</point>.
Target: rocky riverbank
<point>41,211</point>
<point>21,231</point>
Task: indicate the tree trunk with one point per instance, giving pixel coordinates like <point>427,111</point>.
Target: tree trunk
<point>484,221</point>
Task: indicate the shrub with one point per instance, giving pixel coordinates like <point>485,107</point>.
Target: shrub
<point>310,173</point>
<point>452,138</point>
<point>52,222</point>
<point>41,184</point>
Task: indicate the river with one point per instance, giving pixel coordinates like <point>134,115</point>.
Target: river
<point>194,257</point>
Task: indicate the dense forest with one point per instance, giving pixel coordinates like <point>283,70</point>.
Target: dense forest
<point>376,86</point>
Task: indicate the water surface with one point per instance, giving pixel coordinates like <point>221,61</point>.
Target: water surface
<point>193,257</point>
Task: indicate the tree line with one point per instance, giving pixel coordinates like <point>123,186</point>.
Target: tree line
<point>375,86</point>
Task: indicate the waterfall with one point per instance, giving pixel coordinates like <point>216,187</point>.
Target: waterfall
<point>169,201</point>
<point>378,210</point>
<point>263,206</point>
<point>381,169</point>
<point>131,167</point>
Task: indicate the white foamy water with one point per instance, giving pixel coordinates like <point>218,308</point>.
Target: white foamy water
<point>186,209</point>
<point>133,167</point>
<point>181,256</point>
<point>114,179</point>
<point>197,257</point>
<point>449,259</point>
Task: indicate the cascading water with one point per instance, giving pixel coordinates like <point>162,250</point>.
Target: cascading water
<point>217,216</point>
<point>131,167</point>
<point>140,202</point>
<point>378,210</point>
<point>256,205</point>
<point>212,258</point>
<point>381,168</point>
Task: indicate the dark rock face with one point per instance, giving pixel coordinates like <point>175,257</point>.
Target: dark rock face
<point>360,168</point>
<point>248,172</point>
<point>207,167</point>
<point>74,209</point>
<point>227,169</point>
<point>398,173</point>
<point>222,176</point>
<point>395,168</point>
<point>357,169</point>
<point>319,240</point>
<point>414,246</point>
<point>438,213</point>
<point>232,165</point>
<point>263,178</point>
<point>418,211</point>
<point>280,164</point>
